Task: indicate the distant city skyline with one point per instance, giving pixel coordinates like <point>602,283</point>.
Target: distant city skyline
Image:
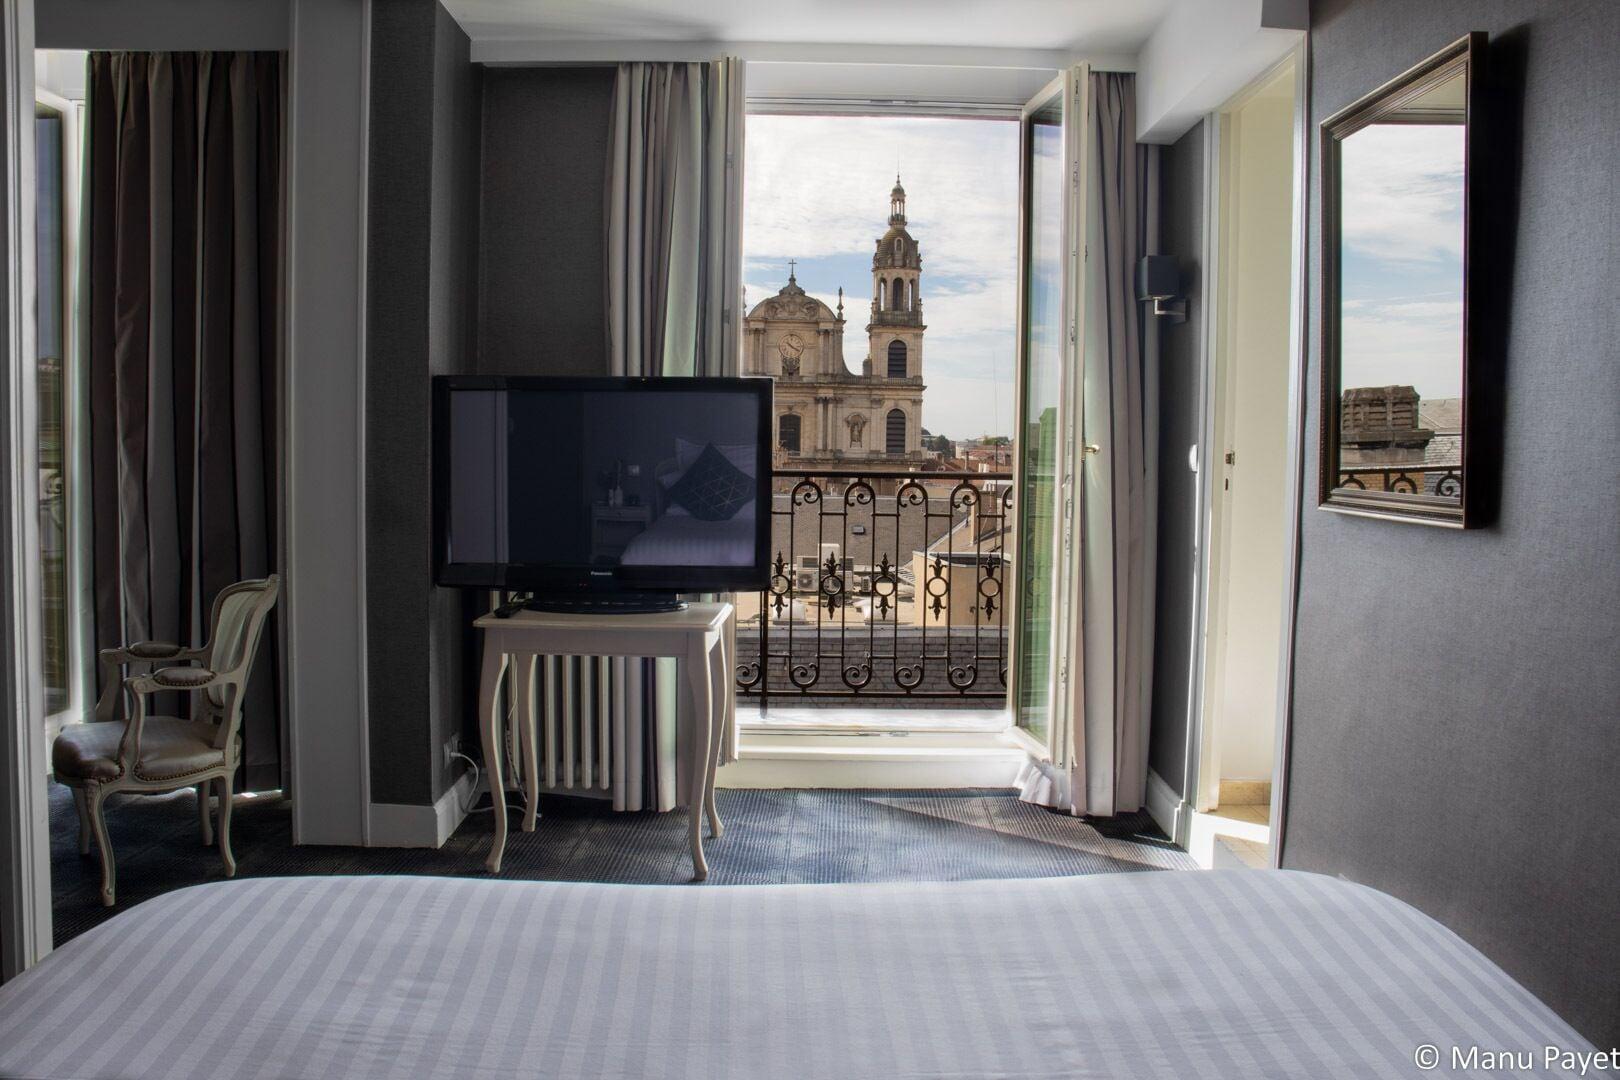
<point>816,192</point>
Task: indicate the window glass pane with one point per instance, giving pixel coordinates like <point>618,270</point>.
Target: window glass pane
<point>51,339</point>
<point>1038,443</point>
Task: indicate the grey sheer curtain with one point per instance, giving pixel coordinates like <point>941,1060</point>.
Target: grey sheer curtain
<point>673,215</point>
<point>1121,415</point>
<point>674,220</point>
<point>183,226</point>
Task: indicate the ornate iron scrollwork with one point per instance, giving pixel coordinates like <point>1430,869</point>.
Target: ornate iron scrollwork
<point>854,607</point>
<point>804,675</point>
<point>856,676</point>
<point>938,586</point>
<point>781,585</point>
<point>989,585</point>
<point>832,584</point>
<point>885,586</point>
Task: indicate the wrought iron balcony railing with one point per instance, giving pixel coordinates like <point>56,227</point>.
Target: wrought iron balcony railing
<point>1443,481</point>
<point>887,586</point>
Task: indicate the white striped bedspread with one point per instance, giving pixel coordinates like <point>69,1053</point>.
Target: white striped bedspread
<point>1219,974</point>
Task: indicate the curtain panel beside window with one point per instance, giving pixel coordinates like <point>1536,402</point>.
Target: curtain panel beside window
<point>182,325</point>
<point>674,284</point>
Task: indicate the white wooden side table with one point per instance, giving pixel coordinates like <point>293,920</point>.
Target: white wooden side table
<point>700,638</point>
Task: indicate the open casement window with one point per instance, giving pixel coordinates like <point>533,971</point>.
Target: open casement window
<point>62,497</point>
<point>1045,676</point>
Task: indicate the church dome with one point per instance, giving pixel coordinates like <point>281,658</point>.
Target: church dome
<point>792,302</point>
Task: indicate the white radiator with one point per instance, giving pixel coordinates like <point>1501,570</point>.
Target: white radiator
<point>591,730</point>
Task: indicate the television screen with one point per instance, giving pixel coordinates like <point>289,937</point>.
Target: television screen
<point>580,485</point>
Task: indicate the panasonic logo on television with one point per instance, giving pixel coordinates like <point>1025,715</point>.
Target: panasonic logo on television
<point>601,573</point>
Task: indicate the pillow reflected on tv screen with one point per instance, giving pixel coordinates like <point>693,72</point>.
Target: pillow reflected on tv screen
<point>712,489</point>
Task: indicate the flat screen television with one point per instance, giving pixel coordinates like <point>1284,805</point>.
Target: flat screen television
<point>567,487</point>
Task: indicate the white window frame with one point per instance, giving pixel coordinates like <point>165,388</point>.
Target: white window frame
<point>80,666</point>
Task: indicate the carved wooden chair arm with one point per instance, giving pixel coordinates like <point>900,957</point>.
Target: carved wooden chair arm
<point>114,659</point>
<point>175,678</point>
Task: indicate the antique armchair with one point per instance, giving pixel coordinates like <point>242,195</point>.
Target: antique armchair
<point>152,754</point>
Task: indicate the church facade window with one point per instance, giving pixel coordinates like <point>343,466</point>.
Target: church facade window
<point>897,359</point>
<point>894,436</point>
<point>787,433</point>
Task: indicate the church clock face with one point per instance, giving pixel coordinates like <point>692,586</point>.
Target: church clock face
<point>791,347</point>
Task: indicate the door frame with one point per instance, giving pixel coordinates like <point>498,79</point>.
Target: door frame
<point>25,868</point>
<point>1202,781</point>
<point>1065,676</point>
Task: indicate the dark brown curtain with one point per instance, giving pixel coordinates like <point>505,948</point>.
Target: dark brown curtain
<point>183,243</point>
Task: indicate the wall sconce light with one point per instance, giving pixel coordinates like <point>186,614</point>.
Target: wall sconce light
<point>1158,279</point>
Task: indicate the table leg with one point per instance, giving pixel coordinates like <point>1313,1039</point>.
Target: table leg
<point>731,679</point>
<point>489,732</point>
<point>717,732</point>
<point>699,676</point>
<point>529,736</point>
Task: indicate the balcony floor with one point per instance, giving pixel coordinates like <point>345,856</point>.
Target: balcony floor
<point>863,717</point>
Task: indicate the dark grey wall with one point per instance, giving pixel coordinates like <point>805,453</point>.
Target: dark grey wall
<point>162,24</point>
<point>453,347</point>
<point>1181,216</point>
<point>1456,705</point>
<point>542,243</point>
<point>421,291</point>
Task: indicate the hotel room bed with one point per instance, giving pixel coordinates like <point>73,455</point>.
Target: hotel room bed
<point>1220,974</point>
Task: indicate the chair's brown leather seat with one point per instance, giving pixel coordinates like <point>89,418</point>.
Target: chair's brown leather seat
<point>170,748</point>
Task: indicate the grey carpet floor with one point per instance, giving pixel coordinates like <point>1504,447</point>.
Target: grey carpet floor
<point>771,836</point>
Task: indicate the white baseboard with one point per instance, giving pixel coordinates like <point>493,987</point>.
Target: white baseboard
<point>1168,810</point>
<point>400,825</point>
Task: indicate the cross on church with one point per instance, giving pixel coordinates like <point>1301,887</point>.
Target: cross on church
<point>792,265</point>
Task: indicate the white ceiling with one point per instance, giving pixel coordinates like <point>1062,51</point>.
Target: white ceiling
<point>1076,26</point>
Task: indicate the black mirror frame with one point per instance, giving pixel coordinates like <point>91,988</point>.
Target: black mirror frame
<point>1465,55</point>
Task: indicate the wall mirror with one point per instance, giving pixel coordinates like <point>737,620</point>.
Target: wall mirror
<point>1396,175</point>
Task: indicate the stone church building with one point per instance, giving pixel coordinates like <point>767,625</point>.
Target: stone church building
<point>828,417</point>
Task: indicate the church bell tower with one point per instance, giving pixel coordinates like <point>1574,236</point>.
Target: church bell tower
<point>895,332</point>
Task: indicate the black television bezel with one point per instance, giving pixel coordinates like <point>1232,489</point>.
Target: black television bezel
<point>583,579</point>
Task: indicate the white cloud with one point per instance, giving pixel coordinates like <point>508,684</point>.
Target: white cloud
<point>818,186</point>
<point>1402,193</point>
<point>1404,343</point>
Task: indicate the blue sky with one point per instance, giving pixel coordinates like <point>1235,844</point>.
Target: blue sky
<point>817,190</point>
<point>1401,283</point>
